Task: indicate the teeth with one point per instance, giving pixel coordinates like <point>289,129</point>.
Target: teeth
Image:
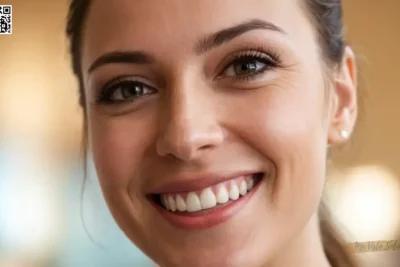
<point>193,202</point>
<point>171,203</point>
<point>207,199</point>
<point>222,196</point>
<point>234,191</point>
<point>165,202</point>
<point>243,188</point>
<point>180,203</point>
<point>250,184</point>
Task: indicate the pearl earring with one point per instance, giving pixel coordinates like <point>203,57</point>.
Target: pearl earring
<point>345,134</point>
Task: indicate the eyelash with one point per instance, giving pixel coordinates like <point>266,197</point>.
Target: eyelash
<point>270,59</point>
<point>110,88</point>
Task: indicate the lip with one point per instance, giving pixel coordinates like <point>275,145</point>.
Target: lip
<point>196,183</point>
<point>211,218</point>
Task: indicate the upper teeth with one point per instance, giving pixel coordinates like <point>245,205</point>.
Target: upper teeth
<point>208,197</point>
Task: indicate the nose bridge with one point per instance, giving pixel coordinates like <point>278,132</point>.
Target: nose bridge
<point>188,123</point>
<point>183,120</point>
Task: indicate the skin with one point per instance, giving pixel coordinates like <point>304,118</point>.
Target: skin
<point>281,122</point>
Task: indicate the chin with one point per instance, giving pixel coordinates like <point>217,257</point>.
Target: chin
<point>236,243</point>
<point>218,257</point>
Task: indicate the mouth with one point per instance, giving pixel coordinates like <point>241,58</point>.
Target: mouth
<point>208,206</point>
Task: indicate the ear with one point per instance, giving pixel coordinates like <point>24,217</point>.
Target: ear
<point>343,109</point>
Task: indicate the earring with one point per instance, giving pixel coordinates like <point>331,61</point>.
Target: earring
<point>345,134</point>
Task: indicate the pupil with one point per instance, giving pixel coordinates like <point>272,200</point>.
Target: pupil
<point>129,91</point>
<point>246,67</point>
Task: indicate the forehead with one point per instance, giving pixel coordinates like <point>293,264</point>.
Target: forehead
<point>165,25</point>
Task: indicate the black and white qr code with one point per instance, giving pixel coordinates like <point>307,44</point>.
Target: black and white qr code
<point>5,19</point>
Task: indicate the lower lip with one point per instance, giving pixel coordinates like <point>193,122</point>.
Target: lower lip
<point>210,219</point>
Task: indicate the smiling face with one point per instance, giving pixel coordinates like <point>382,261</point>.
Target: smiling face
<point>192,103</point>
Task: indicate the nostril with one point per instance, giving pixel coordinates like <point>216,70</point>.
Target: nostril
<point>206,147</point>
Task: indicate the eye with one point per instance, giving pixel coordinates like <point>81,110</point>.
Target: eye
<point>244,66</point>
<point>247,64</point>
<point>124,90</point>
<point>129,90</point>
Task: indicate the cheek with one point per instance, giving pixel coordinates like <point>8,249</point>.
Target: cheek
<point>119,145</point>
<point>287,129</point>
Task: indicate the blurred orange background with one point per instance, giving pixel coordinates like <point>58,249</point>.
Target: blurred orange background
<point>40,133</point>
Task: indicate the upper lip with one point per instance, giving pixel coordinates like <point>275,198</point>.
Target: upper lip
<point>195,183</point>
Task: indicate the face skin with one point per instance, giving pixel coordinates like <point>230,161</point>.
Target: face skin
<point>199,117</point>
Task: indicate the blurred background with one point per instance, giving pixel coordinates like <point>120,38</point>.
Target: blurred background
<point>44,220</point>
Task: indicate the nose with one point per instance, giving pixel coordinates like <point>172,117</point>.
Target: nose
<point>189,126</point>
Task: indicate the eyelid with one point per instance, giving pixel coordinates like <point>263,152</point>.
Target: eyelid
<point>128,78</point>
<point>109,88</point>
<point>246,52</point>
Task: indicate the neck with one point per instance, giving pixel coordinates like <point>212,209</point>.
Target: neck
<point>306,250</point>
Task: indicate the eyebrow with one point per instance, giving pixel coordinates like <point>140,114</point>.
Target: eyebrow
<point>130,57</point>
<point>212,41</point>
<point>228,34</point>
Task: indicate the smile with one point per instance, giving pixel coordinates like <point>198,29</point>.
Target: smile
<point>208,206</point>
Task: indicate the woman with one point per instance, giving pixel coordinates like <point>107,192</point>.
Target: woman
<point>210,123</point>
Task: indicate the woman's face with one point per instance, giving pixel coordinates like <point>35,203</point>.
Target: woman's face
<point>209,123</point>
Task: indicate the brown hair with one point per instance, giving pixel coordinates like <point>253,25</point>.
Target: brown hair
<point>327,16</point>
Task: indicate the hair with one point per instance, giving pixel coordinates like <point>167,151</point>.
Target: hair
<point>326,15</point>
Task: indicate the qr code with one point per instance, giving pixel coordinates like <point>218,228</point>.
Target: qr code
<point>5,19</point>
